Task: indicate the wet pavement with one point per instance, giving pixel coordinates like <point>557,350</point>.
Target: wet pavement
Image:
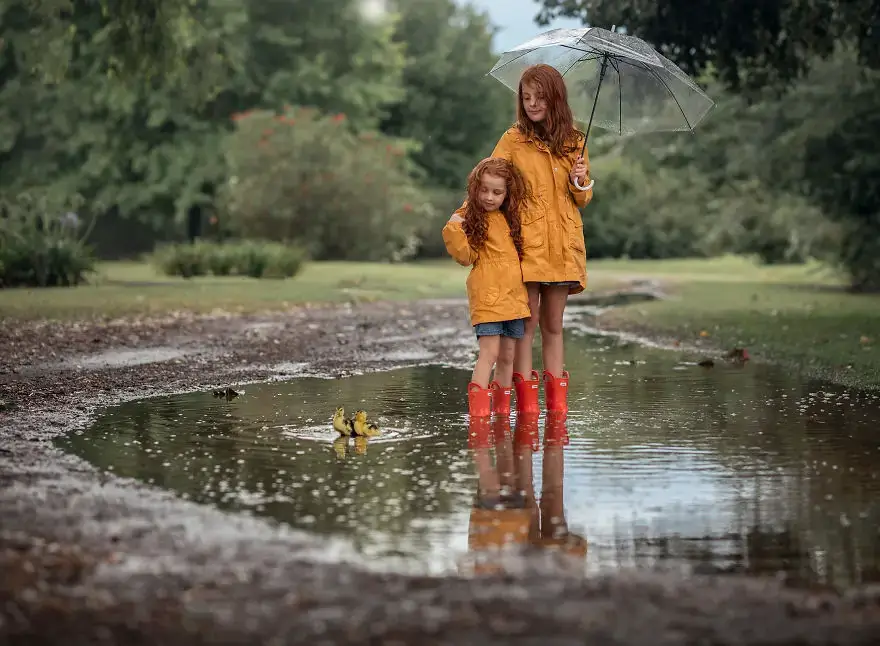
<point>737,468</point>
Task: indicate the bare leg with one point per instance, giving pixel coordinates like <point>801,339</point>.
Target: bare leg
<point>553,523</point>
<point>486,474</point>
<point>522,362</point>
<point>553,300</point>
<point>504,365</point>
<point>489,347</point>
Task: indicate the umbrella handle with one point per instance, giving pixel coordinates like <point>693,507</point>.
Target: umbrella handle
<point>595,100</point>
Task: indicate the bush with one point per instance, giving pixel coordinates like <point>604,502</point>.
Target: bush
<point>41,250</point>
<point>249,258</point>
<point>641,213</point>
<point>307,178</point>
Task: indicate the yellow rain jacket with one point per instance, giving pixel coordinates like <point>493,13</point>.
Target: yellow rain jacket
<point>553,231</point>
<point>495,288</point>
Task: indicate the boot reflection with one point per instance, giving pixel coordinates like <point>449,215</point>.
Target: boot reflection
<point>498,523</point>
<point>554,534</point>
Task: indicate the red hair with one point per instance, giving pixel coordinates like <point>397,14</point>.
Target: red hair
<point>476,224</point>
<point>557,130</point>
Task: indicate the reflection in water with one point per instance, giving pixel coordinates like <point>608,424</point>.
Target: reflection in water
<point>506,515</point>
<point>742,469</point>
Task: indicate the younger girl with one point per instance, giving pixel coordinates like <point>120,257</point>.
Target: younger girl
<point>486,233</point>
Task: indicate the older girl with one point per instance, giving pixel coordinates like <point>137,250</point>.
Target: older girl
<point>485,233</point>
<point>546,147</point>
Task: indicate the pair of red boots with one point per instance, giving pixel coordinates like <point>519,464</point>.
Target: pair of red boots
<point>495,399</point>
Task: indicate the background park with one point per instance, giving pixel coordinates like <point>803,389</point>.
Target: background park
<point>200,194</point>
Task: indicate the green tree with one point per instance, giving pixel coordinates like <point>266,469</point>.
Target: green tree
<point>450,106</point>
<point>324,55</point>
<point>744,40</point>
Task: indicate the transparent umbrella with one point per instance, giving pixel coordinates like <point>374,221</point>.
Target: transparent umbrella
<point>615,81</point>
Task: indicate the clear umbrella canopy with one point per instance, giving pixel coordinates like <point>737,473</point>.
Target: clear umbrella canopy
<point>615,81</point>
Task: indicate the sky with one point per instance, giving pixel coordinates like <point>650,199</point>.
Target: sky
<point>515,18</point>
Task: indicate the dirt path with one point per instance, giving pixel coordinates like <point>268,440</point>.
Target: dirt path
<point>90,559</point>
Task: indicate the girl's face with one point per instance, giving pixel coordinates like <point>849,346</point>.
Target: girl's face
<point>492,191</point>
<point>534,102</point>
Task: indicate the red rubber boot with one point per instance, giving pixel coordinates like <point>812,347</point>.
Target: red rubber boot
<point>500,399</point>
<point>555,430</point>
<point>525,434</point>
<point>556,391</point>
<point>526,393</point>
<point>480,433</point>
<point>478,401</point>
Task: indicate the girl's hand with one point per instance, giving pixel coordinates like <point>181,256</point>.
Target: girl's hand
<point>579,171</point>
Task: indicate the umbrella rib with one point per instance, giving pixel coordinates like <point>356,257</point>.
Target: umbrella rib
<point>495,69</point>
<point>672,94</point>
<point>619,98</point>
<point>568,69</point>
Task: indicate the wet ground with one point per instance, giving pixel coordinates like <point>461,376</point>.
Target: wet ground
<point>735,468</point>
<point>88,557</point>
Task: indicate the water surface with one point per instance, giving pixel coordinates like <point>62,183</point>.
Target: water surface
<point>745,469</point>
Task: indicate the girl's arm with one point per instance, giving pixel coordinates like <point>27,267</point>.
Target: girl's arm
<point>581,194</point>
<point>456,241</point>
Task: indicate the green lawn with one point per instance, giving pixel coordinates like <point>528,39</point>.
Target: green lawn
<point>799,316</point>
<point>135,288</point>
<point>794,314</point>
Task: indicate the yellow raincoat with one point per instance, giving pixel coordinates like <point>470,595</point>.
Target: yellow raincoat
<point>553,231</point>
<point>495,287</point>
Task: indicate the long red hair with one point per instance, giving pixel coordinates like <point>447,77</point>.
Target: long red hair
<point>557,130</point>
<point>476,224</point>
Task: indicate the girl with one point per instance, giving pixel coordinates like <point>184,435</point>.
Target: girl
<point>545,146</point>
<point>486,233</point>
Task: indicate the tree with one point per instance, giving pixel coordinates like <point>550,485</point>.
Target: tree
<point>323,55</point>
<point>450,106</point>
<point>748,42</point>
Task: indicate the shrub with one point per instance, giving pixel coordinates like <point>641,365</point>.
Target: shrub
<point>182,259</point>
<point>247,258</point>
<point>306,178</point>
<point>39,248</point>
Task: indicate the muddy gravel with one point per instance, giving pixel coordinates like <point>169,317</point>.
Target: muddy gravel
<point>87,558</point>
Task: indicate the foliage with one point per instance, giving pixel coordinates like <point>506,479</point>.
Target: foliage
<point>146,146</point>
<point>294,178</point>
<point>450,106</point>
<point>257,259</point>
<point>323,55</point>
<point>41,245</point>
<point>749,42</point>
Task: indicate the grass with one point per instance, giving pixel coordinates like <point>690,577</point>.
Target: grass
<point>796,315</point>
<point>136,288</point>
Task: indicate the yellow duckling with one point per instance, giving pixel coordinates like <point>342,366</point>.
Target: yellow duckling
<point>341,423</point>
<point>364,428</point>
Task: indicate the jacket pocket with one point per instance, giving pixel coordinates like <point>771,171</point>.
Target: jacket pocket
<point>576,239</point>
<point>482,290</point>
<point>534,227</point>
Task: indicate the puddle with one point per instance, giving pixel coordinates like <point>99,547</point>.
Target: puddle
<point>741,469</point>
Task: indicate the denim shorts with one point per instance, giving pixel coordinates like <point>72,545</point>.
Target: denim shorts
<point>514,329</point>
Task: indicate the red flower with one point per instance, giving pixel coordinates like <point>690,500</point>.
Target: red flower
<point>338,118</point>
<point>408,208</point>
